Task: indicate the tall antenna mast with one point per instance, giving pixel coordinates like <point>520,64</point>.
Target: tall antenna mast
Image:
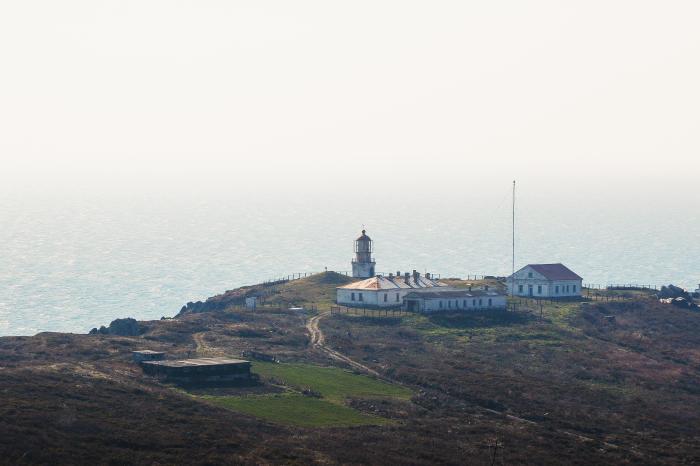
<point>512,277</point>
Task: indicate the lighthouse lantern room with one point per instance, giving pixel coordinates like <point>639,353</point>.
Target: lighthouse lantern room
<point>363,264</point>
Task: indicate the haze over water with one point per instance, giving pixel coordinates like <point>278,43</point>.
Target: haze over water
<point>154,153</point>
<point>71,264</point>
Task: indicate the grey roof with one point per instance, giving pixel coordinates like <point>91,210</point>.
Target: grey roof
<point>555,271</point>
<point>393,283</point>
<point>198,362</point>
<point>448,294</point>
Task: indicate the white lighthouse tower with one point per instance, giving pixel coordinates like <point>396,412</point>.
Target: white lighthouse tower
<point>363,264</point>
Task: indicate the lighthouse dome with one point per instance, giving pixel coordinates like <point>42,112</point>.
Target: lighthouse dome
<point>364,236</point>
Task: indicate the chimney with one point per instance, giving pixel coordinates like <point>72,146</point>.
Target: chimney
<point>427,275</point>
<point>398,274</point>
<point>391,275</point>
<point>416,275</point>
<point>407,277</point>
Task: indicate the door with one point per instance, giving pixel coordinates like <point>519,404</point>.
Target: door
<point>529,290</point>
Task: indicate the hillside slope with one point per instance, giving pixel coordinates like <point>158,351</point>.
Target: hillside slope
<point>589,383</point>
<point>316,289</point>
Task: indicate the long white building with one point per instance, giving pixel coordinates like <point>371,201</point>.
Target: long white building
<point>454,300</point>
<point>385,291</point>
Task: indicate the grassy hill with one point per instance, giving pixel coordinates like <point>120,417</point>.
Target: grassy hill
<point>588,383</point>
<point>317,289</point>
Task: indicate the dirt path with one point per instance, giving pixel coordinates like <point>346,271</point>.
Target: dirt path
<point>202,348</point>
<point>318,341</point>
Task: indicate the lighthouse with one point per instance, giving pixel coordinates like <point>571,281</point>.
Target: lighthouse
<point>363,264</point>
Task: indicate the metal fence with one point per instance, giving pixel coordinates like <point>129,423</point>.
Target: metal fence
<point>289,278</point>
<point>622,287</point>
<point>366,312</point>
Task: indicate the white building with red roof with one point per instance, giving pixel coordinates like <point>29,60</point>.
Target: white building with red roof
<point>545,281</point>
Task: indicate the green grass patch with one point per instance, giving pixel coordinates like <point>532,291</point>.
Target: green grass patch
<point>296,409</point>
<point>292,408</point>
<point>333,384</point>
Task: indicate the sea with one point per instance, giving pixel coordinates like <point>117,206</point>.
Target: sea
<point>68,264</point>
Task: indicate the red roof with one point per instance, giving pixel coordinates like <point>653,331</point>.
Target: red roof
<point>555,271</point>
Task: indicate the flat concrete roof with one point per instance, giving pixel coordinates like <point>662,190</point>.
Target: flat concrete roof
<point>198,362</point>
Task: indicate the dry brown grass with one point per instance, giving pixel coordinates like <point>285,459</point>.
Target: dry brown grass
<point>579,389</point>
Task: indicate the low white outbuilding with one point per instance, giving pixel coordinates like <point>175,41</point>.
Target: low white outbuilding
<point>545,281</point>
<point>454,300</point>
<point>384,291</point>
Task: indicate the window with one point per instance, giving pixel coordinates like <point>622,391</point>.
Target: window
<point>529,275</point>
<point>520,288</point>
<point>490,302</point>
<point>556,289</point>
<point>440,304</point>
<point>567,288</point>
<point>474,302</point>
<point>464,304</point>
<point>481,302</point>
<point>359,295</point>
<point>574,288</point>
<point>386,297</point>
<point>397,297</point>
<point>539,289</point>
<point>449,303</point>
<point>352,296</point>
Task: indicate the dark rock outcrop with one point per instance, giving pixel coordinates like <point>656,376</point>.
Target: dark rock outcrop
<point>222,301</point>
<point>684,303</point>
<point>127,327</point>
<point>672,292</point>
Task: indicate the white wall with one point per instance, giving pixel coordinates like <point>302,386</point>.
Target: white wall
<point>548,288</point>
<point>363,269</point>
<point>371,298</point>
<point>434,304</point>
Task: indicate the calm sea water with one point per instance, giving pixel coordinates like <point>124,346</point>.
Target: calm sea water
<point>73,264</point>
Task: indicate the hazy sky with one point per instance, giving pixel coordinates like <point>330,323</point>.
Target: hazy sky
<point>361,96</point>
